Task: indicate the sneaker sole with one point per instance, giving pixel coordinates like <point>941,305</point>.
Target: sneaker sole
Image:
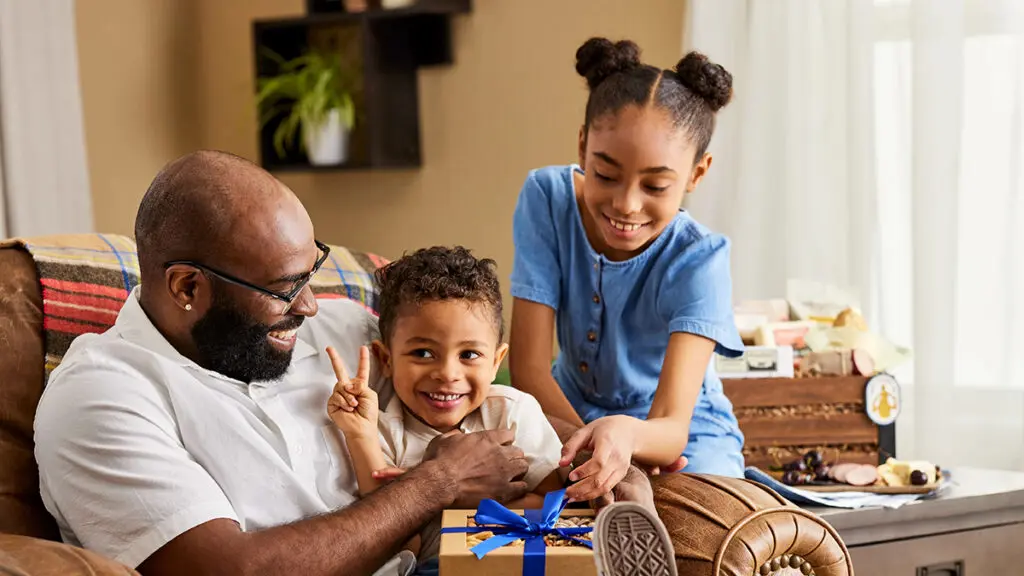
<point>630,540</point>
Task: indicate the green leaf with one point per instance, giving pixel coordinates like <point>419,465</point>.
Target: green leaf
<point>303,92</point>
<point>348,111</point>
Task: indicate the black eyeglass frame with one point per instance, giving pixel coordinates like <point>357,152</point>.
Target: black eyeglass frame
<point>286,297</point>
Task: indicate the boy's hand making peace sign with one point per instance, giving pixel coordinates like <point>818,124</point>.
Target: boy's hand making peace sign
<point>353,405</point>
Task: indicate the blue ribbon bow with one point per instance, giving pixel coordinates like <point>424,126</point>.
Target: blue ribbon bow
<point>531,527</point>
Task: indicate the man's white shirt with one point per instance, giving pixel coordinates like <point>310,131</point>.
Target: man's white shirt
<point>136,444</point>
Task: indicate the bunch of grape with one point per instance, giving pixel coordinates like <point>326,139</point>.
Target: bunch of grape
<point>809,468</point>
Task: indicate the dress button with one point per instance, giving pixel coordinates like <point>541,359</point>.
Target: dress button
<point>584,367</point>
<point>592,336</point>
<point>596,298</point>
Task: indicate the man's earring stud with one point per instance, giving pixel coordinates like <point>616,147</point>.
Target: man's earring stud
<point>188,307</point>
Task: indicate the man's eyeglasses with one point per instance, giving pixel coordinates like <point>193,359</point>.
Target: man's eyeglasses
<point>288,296</point>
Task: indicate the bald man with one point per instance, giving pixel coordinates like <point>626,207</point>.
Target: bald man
<point>193,437</point>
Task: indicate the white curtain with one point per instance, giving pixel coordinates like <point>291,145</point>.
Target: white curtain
<point>877,145</point>
<point>45,182</point>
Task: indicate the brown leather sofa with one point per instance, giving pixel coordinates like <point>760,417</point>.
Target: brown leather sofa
<point>719,526</point>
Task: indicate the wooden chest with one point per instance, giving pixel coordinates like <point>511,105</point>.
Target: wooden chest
<point>782,418</point>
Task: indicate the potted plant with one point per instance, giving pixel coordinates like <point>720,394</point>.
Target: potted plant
<point>311,92</point>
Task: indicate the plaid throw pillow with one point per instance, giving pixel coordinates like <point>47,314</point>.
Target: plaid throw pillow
<point>85,279</point>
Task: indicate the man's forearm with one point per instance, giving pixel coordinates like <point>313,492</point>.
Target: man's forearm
<point>357,539</point>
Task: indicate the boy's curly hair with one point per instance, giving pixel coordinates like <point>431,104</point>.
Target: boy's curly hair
<point>437,273</point>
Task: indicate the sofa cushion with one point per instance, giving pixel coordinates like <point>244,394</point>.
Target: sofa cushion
<point>84,279</point>
<point>21,384</point>
<point>349,274</point>
<point>20,556</point>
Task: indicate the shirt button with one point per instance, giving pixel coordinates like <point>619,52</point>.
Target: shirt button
<point>298,449</point>
<point>584,367</point>
<point>596,266</point>
<point>596,298</point>
<point>592,336</point>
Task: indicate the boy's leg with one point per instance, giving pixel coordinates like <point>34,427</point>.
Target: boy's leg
<point>427,568</point>
<point>430,541</point>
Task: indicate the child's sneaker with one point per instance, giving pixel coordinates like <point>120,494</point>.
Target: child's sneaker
<point>630,540</point>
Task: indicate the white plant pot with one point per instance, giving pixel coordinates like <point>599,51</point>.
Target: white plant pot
<point>327,144</point>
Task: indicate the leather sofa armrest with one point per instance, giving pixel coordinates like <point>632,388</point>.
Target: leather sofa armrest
<point>733,527</point>
<point>25,556</point>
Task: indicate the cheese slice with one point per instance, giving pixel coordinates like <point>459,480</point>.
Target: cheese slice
<point>889,478</point>
<point>903,468</point>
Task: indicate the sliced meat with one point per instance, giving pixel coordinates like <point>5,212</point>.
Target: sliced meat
<point>839,471</point>
<point>862,475</point>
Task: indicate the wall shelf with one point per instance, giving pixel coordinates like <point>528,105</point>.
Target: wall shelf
<point>332,8</point>
<point>384,48</point>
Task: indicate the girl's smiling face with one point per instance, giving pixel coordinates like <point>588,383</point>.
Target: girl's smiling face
<point>637,168</point>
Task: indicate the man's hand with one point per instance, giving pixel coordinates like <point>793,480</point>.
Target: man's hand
<point>353,405</point>
<point>481,465</point>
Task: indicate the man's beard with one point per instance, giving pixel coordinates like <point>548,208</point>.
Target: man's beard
<point>233,343</point>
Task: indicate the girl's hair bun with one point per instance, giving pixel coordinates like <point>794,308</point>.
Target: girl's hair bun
<point>599,58</point>
<point>705,79</point>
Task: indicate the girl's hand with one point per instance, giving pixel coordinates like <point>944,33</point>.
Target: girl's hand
<point>353,405</point>
<point>611,441</point>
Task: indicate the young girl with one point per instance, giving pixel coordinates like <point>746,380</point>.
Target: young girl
<point>640,292</point>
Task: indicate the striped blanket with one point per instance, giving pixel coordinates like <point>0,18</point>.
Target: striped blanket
<point>85,279</point>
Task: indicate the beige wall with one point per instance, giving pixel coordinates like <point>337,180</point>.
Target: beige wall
<point>139,97</point>
<point>182,77</point>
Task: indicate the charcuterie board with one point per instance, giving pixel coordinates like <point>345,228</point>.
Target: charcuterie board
<point>874,489</point>
<point>813,474</point>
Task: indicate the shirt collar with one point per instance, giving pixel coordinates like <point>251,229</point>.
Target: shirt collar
<point>396,412</point>
<point>134,325</point>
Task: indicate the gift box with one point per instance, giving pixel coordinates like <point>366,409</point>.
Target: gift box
<point>496,541</point>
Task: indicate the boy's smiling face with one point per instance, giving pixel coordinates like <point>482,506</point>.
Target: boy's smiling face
<point>442,357</point>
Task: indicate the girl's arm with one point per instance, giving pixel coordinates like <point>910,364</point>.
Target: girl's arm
<point>531,343</point>
<point>657,441</point>
<point>662,437</point>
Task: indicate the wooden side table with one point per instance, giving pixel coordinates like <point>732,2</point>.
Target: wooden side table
<point>974,528</point>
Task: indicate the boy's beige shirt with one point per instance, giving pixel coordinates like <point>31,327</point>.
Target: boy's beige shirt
<point>404,439</point>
